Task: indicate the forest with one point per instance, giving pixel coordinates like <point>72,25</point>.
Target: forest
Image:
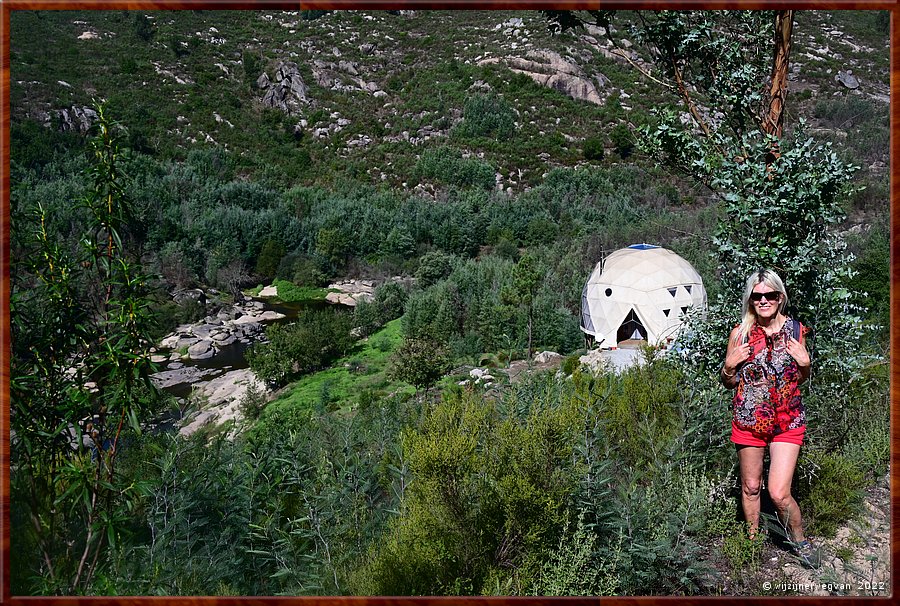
<point>366,460</point>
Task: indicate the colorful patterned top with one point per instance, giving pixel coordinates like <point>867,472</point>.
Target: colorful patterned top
<point>767,401</point>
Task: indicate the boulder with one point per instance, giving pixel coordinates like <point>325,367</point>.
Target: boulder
<point>76,119</point>
<point>179,376</point>
<point>198,420</point>
<point>202,331</point>
<point>269,291</point>
<point>186,341</point>
<point>287,91</point>
<point>546,356</point>
<point>202,350</point>
<point>550,69</point>
<point>847,79</point>
<point>224,340</point>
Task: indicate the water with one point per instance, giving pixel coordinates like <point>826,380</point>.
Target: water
<point>232,357</point>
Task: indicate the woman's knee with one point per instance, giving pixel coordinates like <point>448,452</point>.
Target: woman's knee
<point>751,487</point>
<point>781,498</point>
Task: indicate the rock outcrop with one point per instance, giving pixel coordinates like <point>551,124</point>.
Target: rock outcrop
<point>77,119</point>
<point>550,69</point>
<point>286,91</point>
<point>204,339</point>
<point>351,292</point>
<point>222,399</point>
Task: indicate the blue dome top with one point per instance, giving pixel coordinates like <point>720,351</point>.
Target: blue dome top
<point>643,246</point>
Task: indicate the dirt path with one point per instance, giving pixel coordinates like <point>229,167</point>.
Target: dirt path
<point>856,562</point>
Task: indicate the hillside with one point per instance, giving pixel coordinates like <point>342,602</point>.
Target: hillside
<point>311,96</point>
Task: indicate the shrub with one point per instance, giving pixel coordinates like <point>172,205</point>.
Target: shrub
<point>622,139</point>
<point>487,115</point>
<point>593,148</point>
<point>446,165</point>
<point>829,491</point>
<point>420,363</point>
<point>252,403</point>
<point>143,27</point>
<point>434,266</point>
<point>315,340</point>
<point>269,258</point>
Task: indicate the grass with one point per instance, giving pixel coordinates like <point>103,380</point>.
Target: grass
<point>289,292</point>
<point>363,369</point>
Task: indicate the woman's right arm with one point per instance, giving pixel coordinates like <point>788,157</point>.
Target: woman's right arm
<point>736,354</point>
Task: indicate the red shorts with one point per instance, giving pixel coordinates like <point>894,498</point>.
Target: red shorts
<point>746,438</point>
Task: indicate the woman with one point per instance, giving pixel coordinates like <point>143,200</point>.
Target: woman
<point>767,361</point>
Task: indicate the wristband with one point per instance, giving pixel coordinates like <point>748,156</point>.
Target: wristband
<point>730,376</point>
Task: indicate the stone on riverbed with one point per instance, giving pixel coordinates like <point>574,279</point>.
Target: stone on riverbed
<point>202,350</point>
<point>223,398</point>
<point>178,376</point>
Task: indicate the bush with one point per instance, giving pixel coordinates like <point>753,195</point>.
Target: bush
<point>420,363</point>
<point>622,139</point>
<point>829,492</point>
<point>143,27</point>
<point>446,165</point>
<point>252,403</point>
<point>593,148</point>
<point>269,259</point>
<point>315,340</point>
<point>434,266</point>
<point>487,115</point>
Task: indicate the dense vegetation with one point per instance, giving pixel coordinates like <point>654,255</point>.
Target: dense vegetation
<point>376,470</point>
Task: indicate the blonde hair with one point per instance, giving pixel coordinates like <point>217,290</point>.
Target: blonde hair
<point>748,313</point>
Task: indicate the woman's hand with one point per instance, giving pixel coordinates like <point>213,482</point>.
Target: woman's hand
<point>737,355</point>
<point>798,352</point>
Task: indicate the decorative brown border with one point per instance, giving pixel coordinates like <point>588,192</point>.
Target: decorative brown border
<point>5,347</point>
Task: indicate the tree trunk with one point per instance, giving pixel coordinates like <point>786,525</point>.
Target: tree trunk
<point>773,123</point>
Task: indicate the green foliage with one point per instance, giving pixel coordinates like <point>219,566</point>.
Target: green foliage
<point>434,266</point>
<point>420,363</point>
<point>487,115</point>
<point>386,305</point>
<point>830,491</point>
<point>291,293</point>
<point>253,401</point>
<point>572,569</point>
<point>253,65</point>
<point>593,148</point>
<point>80,384</point>
<point>143,27</point>
<point>312,342</point>
<point>622,140</point>
<point>488,492</point>
<point>449,166</point>
<point>269,258</point>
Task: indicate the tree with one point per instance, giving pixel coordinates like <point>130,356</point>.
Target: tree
<point>80,382</point>
<point>780,194</point>
<point>526,282</point>
<point>420,363</point>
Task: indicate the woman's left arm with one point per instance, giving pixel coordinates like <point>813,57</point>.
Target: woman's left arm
<point>798,351</point>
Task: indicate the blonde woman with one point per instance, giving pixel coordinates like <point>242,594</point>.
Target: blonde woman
<point>766,362</point>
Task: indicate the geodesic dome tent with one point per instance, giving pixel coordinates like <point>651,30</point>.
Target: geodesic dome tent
<point>639,292</point>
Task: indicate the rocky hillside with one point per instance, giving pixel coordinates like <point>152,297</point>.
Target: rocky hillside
<point>312,96</point>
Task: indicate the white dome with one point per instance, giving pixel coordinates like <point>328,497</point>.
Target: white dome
<point>639,292</point>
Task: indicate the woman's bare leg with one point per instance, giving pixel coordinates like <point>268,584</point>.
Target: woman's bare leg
<point>751,463</point>
<point>783,457</point>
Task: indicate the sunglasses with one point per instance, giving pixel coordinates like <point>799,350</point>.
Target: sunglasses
<point>772,296</point>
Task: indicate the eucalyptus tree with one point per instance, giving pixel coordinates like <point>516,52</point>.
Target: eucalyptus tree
<point>779,191</point>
